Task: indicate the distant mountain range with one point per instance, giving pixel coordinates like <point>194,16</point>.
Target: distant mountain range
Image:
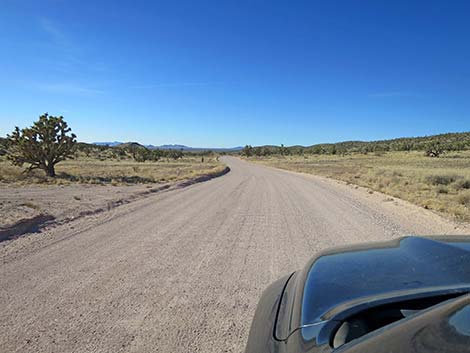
<point>110,144</point>
<point>171,147</point>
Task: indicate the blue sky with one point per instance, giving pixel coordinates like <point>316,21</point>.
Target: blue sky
<point>227,73</point>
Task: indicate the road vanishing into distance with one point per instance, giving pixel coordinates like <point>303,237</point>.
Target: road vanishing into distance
<point>182,270</point>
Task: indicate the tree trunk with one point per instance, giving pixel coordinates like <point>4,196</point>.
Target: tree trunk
<point>50,170</point>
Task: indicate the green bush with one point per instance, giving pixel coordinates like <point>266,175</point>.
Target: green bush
<point>462,184</point>
<point>444,179</point>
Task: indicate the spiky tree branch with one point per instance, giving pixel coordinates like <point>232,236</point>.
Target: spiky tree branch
<point>42,145</point>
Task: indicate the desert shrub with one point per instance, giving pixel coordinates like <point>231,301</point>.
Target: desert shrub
<point>443,179</point>
<point>434,149</point>
<point>441,189</point>
<point>462,184</point>
<point>464,198</point>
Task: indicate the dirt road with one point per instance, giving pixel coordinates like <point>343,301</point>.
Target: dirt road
<point>182,271</point>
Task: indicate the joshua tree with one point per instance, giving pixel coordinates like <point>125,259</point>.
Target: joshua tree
<point>247,151</point>
<point>42,145</point>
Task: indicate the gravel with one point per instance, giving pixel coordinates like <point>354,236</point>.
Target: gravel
<point>182,270</point>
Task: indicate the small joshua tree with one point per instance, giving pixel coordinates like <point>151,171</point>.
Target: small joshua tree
<point>247,151</point>
<point>42,145</point>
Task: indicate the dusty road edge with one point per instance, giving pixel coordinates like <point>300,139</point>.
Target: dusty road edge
<point>37,223</point>
<point>369,192</point>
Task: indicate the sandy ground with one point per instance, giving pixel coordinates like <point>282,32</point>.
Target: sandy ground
<point>60,201</point>
<point>38,206</point>
<point>182,270</point>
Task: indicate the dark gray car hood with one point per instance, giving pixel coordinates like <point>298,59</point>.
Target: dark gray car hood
<point>428,276</point>
<point>347,278</point>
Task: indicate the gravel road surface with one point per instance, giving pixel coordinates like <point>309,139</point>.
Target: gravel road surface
<point>182,271</point>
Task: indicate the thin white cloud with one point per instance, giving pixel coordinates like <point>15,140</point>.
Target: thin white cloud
<point>70,56</point>
<point>165,85</point>
<point>67,88</point>
<point>391,94</point>
<point>54,32</point>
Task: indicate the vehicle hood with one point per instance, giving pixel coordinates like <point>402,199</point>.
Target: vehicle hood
<point>340,281</point>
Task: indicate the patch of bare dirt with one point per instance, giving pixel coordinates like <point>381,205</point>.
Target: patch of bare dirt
<point>27,209</point>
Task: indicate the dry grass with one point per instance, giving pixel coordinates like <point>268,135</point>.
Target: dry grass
<point>115,172</point>
<point>441,184</point>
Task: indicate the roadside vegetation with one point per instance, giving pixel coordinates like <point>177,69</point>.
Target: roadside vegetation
<point>36,162</point>
<point>96,170</point>
<point>433,172</point>
<point>431,146</point>
<point>47,153</point>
